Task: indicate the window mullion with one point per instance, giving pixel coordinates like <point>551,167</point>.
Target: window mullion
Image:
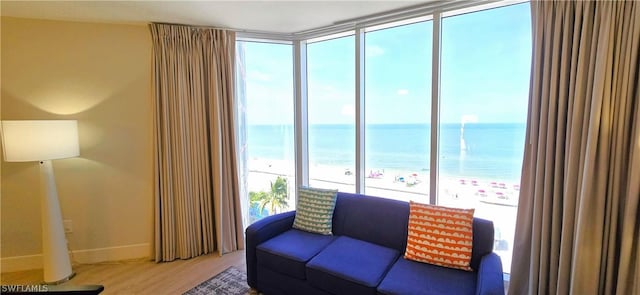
<point>360,122</point>
<point>435,108</point>
<point>301,113</point>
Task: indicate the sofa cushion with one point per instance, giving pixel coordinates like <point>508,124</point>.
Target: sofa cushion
<point>350,266</point>
<point>375,220</point>
<point>410,277</point>
<point>314,210</point>
<point>440,235</point>
<point>289,252</point>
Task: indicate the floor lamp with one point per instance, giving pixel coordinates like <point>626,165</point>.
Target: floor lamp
<point>43,141</point>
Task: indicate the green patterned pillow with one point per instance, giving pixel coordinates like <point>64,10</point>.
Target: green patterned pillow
<point>314,210</point>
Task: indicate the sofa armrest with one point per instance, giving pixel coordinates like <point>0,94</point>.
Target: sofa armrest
<point>260,231</point>
<point>490,279</point>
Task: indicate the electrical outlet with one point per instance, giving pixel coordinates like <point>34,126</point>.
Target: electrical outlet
<point>68,226</point>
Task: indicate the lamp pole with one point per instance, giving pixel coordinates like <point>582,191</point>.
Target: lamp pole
<point>55,258</point>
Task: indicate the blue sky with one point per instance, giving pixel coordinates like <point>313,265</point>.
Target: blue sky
<point>485,71</point>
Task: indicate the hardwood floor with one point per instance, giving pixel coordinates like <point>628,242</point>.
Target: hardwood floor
<point>140,276</point>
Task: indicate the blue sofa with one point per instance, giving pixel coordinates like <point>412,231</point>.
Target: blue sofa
<point>364,256</point>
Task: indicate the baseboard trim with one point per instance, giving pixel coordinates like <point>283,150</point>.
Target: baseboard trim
<point>136,251</point>
<point>19,263</point>
<point>112,253</point>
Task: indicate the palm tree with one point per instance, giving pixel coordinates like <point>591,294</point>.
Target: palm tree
<point>255,212</point>
<point>276,198</point>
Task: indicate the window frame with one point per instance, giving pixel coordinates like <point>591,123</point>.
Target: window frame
<point>434,12</point>
<point>358,27</point>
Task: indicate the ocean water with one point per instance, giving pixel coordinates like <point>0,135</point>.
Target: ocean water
<point>490,151</point>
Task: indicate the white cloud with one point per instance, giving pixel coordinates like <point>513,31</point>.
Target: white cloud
<point>403,92</point>
<point>373,51</point>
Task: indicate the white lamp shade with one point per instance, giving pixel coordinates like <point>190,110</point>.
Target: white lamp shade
<point>24,140</point>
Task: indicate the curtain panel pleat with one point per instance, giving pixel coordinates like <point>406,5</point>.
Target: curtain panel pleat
<point>578,225</point>
<point>197,207</point>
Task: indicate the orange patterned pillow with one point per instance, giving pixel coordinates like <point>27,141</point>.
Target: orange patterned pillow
<point>440,235</point>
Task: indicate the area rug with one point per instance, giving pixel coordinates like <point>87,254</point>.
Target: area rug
<point>232,281</point>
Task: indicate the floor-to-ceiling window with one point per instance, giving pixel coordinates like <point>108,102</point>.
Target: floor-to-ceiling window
<point>265,90</point>
<point>485,62</point>
<point>331,111</point>
<point>397,110</point>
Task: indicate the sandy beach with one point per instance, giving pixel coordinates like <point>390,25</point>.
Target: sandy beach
<point>492,199</point>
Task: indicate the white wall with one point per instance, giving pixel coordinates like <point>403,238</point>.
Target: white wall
<point>99,74</point>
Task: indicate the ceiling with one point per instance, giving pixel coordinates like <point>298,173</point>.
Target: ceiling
<point>268,16</point>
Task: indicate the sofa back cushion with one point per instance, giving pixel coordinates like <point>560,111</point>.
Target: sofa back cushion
<point>385,222</point>
<point>372,219</point>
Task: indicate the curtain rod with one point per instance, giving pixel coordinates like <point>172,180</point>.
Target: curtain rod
<point>194,26</point>
<point>285,36</point>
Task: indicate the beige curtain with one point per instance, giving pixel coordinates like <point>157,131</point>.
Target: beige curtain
<point>578,226</point>
<point>197,204</point>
